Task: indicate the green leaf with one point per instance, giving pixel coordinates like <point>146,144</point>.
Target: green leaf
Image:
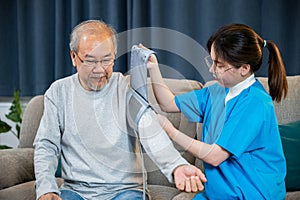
<point>18,128</point>
<point>4,127</point>
<point>15,117</point>
<point>15,113</point>
<point>5,147</point>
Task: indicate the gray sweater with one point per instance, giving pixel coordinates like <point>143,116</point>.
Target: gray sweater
<point>100,154</point>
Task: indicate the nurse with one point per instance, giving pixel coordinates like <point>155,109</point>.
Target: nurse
<point>241,147</point>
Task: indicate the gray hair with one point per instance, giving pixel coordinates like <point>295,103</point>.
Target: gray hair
<point>96,25</point>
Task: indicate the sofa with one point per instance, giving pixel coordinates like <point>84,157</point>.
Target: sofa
<point>17,170</point>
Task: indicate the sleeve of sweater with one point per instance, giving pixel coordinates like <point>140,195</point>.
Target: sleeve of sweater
<point>47,150</point>
<point>158,145</point>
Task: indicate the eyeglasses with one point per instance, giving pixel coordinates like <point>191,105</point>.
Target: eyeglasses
<point>94,63</point>
<point>210,63</point>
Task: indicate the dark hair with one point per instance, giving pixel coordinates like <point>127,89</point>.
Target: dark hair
<point>238,44</point>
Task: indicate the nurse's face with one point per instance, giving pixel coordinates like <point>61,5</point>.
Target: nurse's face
<point>226,74</point>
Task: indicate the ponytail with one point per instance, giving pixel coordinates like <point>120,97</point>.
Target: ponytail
<point>278,86</point>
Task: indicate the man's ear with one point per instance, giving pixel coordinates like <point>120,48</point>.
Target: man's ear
<point>73,58</point>
<point>245,69</point>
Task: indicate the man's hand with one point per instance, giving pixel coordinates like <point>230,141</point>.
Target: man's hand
<point>189,178</point>
<point>50,196</point>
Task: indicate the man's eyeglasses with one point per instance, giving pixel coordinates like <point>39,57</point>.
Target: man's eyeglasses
<point>210,63</point>
<point>94,63</point>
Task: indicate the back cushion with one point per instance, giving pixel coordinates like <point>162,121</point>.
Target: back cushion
<point>288,110</point>
<point>31,121</point>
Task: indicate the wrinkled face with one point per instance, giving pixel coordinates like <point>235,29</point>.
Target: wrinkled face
<point>226,74</point>
<point>94,60</point>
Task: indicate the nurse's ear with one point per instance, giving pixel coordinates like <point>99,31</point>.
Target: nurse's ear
<point>245,69</point>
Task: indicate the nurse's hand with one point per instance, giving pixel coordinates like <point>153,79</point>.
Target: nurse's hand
<point>152,60</point>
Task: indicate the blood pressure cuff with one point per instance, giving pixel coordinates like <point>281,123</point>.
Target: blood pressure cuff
<point>138,70</point>
<point>137,97</point>
<point>136,107</point>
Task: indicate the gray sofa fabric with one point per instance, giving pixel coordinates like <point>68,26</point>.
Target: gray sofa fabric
<point>16,166</point>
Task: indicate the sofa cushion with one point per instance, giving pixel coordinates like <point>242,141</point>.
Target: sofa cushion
<point>288,110</point>
<point>184,196</point>
<point>290,136</point>
<point>58,169</point>
<point>24,191</point>
<point>293,195</point>
<point>31,121</point>
<point>17,165</point>
<point>162,192</point>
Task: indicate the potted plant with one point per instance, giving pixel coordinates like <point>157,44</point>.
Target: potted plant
<point>14,115</point>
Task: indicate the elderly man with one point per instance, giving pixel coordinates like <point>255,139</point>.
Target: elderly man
<point>84,123</point>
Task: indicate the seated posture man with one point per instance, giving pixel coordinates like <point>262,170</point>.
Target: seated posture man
<point>84,123</point>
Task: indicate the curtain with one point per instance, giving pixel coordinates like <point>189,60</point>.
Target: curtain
<point>34,35</point>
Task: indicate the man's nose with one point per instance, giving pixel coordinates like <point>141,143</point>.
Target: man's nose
<point>99,68</point>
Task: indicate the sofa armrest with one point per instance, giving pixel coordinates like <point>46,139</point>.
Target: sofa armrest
<point>16,166</point>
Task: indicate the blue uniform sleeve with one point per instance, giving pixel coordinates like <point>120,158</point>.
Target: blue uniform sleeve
<point>193,104</point>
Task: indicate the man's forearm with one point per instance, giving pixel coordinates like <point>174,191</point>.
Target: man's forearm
<point>158,145</point>
<point>45,167</point>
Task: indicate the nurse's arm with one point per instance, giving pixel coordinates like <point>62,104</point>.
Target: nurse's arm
<point>210,153</point>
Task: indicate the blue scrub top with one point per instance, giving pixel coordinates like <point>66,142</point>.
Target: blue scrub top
<point>247,128</point>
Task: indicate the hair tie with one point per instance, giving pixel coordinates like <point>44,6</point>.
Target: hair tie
<point>265,43</point>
